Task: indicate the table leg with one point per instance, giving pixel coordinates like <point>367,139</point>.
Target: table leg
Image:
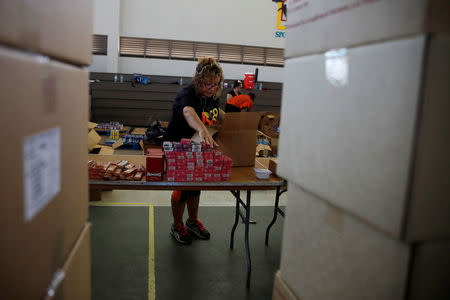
<point>95,194</point>
<point>247,248</point>
<point>276,211</point>
<point>275,214</point>
<point>236,218</point>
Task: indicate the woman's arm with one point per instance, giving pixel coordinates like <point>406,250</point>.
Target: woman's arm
<point>229,96</point>
<point>194,121</point>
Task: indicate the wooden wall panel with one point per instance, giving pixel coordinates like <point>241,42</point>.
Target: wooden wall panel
<point>142,104</point>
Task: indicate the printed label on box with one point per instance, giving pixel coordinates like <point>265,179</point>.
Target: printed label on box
<point>42,170</point>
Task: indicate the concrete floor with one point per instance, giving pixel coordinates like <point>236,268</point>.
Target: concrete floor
<point>208,198</point>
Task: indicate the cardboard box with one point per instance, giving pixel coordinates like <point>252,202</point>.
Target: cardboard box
<point>281,290</point>
<point>327,254</point>
<point>44,178</point>
<point>274,146</point>
<point>262,162</point>
<point>375,140</point>
<point>93,142</point>
<point>237,137</point>
<point>263,138</point>
<point>273,162</point>
<point>58,28</point>
<point>268,123</point>
<point>430,271</point>
<point>76,283</point>
<point>263,150</point>
<point>318,26</point>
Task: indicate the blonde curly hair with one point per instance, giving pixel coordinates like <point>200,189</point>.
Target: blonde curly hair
<point>207,68</point>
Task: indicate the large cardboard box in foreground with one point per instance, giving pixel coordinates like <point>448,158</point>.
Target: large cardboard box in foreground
<point>368,130</point>
<point>237,137</point>
<point>44,202</point>
<point>58,28</point>
<point>320,25</point>
<point>328,254</point>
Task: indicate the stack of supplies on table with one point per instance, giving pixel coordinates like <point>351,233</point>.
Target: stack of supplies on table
<point>122,169</point>
<point>190,161</point>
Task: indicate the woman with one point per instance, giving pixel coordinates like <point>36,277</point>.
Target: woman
<point>235,91</point>
<point>195,107</point>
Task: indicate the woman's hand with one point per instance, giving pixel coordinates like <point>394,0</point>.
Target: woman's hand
<point>207,138</point>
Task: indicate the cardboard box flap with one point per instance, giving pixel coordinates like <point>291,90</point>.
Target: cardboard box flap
<point>237,121</point>
<point>117,144</point>
<point>261,147</point>
<point>262,162</point>
<point>92,125</point>
<point>105,150</point>
<point>139,130</point>
<point>100,149</point>
<point>93,139</point>
<point>120,143</point>
<point>237,137</point>
<point>273,162</point>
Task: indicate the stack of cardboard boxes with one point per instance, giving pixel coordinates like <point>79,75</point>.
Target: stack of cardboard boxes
<point>267,131</point>
<point>364,145</point>
<point>44,237</point>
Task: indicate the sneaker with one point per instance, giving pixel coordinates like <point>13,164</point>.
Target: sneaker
<point>196,227</point>
<point>180,234</point>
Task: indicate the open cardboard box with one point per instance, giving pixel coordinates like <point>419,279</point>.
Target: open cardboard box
<point>263,150</point>
<point>269,120</point>
<point>93,142</point>
<point>120,143</point>
<point>236,137</point>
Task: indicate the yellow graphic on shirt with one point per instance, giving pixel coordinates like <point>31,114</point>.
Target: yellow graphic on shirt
<point>210,118</point>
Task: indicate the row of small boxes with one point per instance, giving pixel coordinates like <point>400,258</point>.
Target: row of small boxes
<point>195,162</point>
<point>123,170</point>
<point>185,145</point>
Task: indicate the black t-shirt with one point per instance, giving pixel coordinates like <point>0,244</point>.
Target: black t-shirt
<point>207,110</point>
<point>233,93</point>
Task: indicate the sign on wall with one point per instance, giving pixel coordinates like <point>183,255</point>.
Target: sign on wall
<point>281,15</point>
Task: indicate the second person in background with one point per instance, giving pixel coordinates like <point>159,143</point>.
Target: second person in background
<point>240,103</point>
<point>236,90</point>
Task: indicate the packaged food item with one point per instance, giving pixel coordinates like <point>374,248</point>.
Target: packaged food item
<point>138,175</point>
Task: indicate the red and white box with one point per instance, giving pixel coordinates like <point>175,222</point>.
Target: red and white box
<point>208,155</point>
<point>225,176</point>
<point>227,162</point>
<point>155,167</point>
<point>217,176</point>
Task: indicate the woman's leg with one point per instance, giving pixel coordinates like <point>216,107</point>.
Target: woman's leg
<point>177,207</point>
<point>193,201</point>
<point>178,230</point>
<point>193,224</point>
